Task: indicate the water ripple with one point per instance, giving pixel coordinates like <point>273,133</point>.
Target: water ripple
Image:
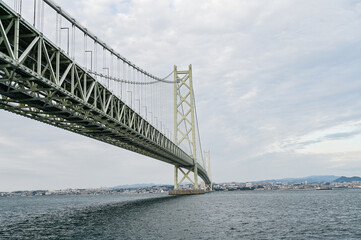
<point>233,215</point>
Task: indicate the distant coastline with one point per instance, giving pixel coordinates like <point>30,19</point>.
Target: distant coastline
<point>327,182</point>
<point>88,191</point>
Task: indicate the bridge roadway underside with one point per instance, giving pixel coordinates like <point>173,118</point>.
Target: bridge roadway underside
<point>39,81</point>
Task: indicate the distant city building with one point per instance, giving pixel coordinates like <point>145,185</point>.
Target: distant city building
<point>249,185</point>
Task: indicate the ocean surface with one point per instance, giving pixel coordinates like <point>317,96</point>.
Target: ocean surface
<point>329,214</point>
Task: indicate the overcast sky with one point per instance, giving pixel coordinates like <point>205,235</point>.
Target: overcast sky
<point>277,85</point>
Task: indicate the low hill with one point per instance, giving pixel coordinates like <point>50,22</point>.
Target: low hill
<point>309,179</point>
<point>347,179</point>
<point>135,186</point>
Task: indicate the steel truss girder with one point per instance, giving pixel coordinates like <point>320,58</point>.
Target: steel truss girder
<point>39,81</point>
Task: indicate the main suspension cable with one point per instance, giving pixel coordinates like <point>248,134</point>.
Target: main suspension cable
<point>199,136</point>
<point>134,82</point>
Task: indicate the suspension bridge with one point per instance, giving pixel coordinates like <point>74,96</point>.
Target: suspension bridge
<point>54,70</point>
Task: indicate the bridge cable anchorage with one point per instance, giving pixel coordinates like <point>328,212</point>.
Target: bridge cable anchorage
<point>157,80</point>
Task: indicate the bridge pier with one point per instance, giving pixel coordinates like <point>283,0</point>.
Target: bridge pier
<point>185,129</point>
<point>184,122</point>
<point>209,187</point>
<point>187,192</point>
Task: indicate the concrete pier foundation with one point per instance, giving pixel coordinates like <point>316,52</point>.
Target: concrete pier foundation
<point>187,192</point>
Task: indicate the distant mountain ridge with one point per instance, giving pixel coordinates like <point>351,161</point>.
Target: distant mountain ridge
<point>134,186</point>
<point>309,179</point>
<point>141,185</point>
<point>348,179</point>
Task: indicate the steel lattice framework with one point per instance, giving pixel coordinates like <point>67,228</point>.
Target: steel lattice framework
<point>40,81</point>
<point>185,117</point>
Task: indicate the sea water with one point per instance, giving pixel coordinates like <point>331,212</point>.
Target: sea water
<point>301,214</point>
